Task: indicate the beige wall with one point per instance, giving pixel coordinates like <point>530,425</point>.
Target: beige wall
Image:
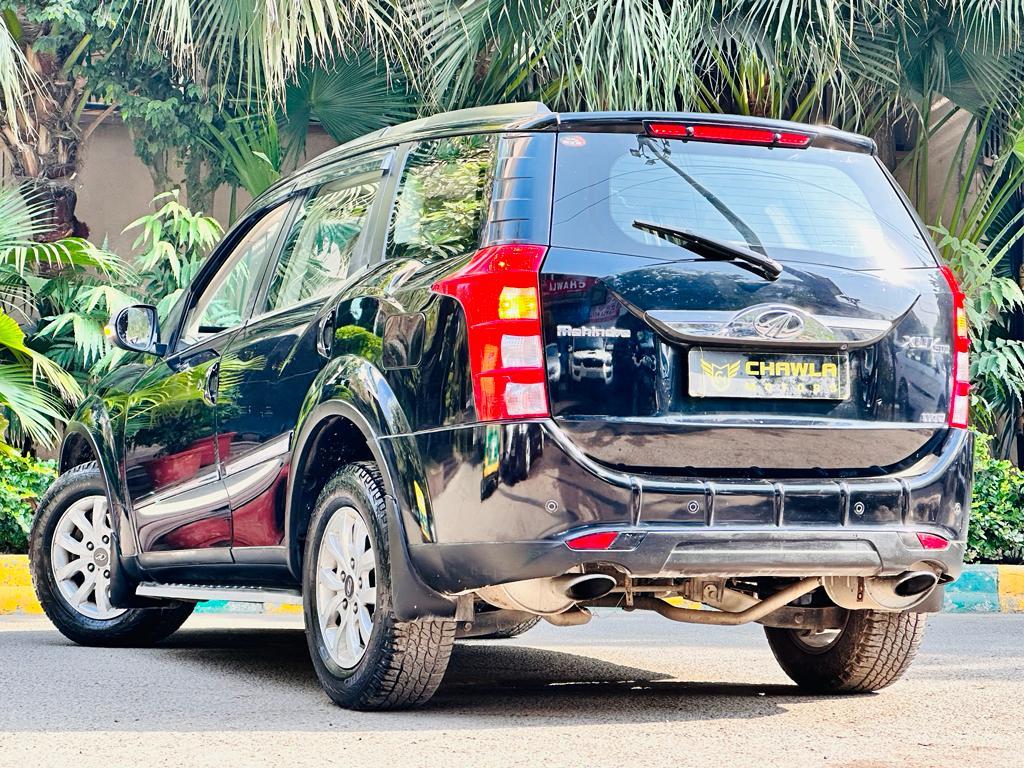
<point>114,187</point>
<point>942,154</point>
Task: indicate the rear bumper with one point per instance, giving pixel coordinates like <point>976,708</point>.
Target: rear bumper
<point>494,519</point>
<point>670,551</point>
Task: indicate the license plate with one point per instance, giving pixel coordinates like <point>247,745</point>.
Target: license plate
<point>776,375</point>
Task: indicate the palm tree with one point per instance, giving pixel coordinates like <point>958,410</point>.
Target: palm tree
<point>41,100</point>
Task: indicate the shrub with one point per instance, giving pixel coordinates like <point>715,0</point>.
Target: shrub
<point>23,480</point>
<point>996,532</point>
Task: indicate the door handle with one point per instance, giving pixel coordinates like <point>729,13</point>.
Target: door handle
<point>211,384</point>
<point>325,335</point>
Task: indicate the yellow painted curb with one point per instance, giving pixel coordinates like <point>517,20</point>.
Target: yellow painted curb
<point>16,593</point>
<point>282,608</point>
<point>14,571</point>
<point>1011,588</point>
<point>18,600</point>
<point>682,602</point>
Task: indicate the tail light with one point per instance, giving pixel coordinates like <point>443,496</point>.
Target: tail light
<point>932,541</point>
<point>960,402</point>
<point>728,134</point>
<point>499,291</point>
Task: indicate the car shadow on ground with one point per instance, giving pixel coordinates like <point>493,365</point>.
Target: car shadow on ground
<point>496,684</point>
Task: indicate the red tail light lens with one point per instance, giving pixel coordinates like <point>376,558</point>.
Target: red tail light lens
<point>960,401</point>
<point>932,541</point>
<point>500,293</point>
<point>728,134</point>
<point>601,540</point>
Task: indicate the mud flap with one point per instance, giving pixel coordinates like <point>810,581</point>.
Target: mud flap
<point>412,599</point>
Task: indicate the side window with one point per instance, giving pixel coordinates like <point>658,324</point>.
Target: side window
<point>224,301</point>
<point>442,198</point>
<point>319,249</point>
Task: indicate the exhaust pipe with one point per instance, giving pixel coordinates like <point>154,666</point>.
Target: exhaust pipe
<point>548,597</point>
<point>590,586</point>
<point>574,617</point>
<point>913,583</point>
<point>891,593</point>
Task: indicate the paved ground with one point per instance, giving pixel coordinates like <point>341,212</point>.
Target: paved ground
<point>626,690</point>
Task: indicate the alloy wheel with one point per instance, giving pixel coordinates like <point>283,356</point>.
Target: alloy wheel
<point>80,556</point>
<point>346,587</point>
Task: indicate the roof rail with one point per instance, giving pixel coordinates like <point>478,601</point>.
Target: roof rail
<point>493,118</point>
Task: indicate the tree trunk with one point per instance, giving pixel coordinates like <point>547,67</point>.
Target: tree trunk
<point>43,153</point>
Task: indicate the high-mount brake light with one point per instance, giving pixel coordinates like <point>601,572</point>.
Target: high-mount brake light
<point>729,134</point>
<point>960,400</point>
<point>499,291</point>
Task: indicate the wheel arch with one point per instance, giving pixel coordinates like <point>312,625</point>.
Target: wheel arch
<point>342,422</point>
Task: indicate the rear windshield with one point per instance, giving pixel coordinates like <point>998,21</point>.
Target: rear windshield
<point>799,205</point>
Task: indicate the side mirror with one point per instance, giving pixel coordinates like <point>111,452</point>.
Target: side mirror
<point>136,329</point>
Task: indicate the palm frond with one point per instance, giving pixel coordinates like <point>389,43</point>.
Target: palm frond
<point>251,152</point>
<point>349,98</point>
<point>12,339</point>
<point>24,216</point>
<point>261,45</point>
<point>16,76</point>
<point>34,409</point>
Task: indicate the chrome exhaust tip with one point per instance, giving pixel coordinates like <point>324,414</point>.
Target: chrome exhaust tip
<point>914,583</point>
<point>590,586</point>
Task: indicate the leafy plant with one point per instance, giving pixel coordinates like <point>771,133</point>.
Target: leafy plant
<point>23,480</point>
<point>996,533</point>
<point>982,231</point>
<point>348,97</point>
<point>250,151</point>
<point>173,242</point>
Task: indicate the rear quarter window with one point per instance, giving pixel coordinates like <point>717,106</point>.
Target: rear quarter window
<point>442,198</point>
<point>809,205</point>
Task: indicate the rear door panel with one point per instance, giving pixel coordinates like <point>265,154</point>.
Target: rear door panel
<point>637,411</point>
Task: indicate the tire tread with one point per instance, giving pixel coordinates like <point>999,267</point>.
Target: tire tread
<point>413,655</point>
<point>874,651</point>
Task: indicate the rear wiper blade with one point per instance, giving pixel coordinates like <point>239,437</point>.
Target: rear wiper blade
<point>715,250</point>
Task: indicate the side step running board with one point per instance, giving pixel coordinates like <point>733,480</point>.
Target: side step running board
<point>200,592</point>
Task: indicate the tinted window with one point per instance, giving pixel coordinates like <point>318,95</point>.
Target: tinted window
<point>800,205</point>
<point>225,301</point>
<point>315,259</point>
<point>442,198</point>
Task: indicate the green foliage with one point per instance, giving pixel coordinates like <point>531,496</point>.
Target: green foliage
<point>354,340</point>
<point>977,246</point>
<point>349,98</point>
<point>22,481</point>
<point>172,242</point>
<point>996,533</point>
<point>251,152</point>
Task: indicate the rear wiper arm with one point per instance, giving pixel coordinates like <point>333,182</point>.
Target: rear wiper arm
<point>715,250</point>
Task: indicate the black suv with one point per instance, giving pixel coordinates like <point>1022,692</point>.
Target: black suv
<point>504,364</point>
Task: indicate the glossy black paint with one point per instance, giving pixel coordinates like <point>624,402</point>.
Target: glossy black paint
<point>380,371</point>
<point>658,426</point>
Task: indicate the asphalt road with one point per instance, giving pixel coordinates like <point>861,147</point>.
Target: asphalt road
<point>626,690</point>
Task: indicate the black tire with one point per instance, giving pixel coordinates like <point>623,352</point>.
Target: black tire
<point>872,651</point>
<point>403,661</point>
<point>504,631</point>
<point>133,627</point>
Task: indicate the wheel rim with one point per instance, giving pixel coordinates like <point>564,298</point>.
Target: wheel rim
<point>346,587</point>
<point>815,642</point>
<point>80,555</point>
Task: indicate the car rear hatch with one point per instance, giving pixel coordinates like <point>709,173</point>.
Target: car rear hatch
<point>741,299</point>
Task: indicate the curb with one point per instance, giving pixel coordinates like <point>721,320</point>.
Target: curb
<point>980,589</point>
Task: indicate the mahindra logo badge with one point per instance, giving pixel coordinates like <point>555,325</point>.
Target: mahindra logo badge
<point>593,331</point>
<point>781,324</point>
